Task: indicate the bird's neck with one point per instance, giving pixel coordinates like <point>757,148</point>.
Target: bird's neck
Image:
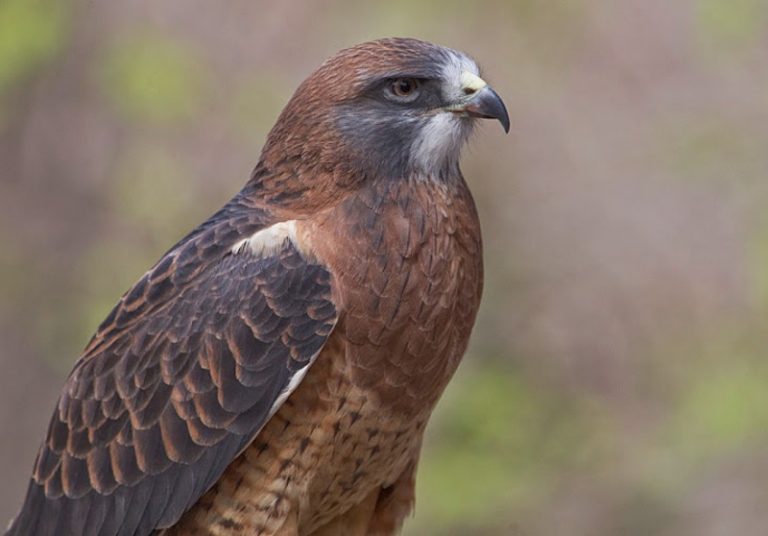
<point>292,191</point>
<point>406,259</point>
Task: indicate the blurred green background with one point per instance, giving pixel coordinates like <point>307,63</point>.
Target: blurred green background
<point>617,382</point>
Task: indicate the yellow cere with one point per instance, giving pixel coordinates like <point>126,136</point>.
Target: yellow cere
<point>471,81</point>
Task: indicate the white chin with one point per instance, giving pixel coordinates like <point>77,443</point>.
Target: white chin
<point>439,142</point>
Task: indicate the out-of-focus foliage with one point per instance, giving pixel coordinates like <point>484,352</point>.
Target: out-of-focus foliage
<point>732,22</point>
<point>153,78</point>
<point>759,262</point>
<point>544,434</point>
<point>617,379</point>
<point>717,411</point>
<point>30,33</point>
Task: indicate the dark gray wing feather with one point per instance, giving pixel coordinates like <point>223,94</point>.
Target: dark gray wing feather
<point>176,382</point>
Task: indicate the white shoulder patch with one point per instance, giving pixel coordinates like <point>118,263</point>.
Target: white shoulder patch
<point>267,240</point>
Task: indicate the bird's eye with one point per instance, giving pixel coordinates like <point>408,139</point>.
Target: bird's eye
<point>405,88</point>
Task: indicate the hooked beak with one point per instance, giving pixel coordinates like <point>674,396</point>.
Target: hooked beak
<point>480,101</point>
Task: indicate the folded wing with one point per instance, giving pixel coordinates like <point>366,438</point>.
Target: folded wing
<point>179,379</point>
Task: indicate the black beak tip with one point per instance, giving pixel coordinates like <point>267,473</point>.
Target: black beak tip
<point>498,109</point>
<point>505,122</point>
<point>489,105</point>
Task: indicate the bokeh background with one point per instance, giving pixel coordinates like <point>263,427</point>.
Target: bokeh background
<point>617,382</point>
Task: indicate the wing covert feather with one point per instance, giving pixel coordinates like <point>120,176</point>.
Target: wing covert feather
<point>179,378</point>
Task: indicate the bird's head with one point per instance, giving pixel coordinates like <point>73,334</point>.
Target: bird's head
<point>393,108</point>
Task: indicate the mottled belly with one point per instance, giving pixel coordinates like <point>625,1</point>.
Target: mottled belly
<point>321,454</point>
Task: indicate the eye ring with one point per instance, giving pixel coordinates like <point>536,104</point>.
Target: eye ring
<point>404,89</point>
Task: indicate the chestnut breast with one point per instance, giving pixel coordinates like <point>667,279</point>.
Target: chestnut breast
<point>407,257</point>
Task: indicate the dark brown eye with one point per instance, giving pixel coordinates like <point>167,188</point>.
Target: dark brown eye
<point>404,87</point>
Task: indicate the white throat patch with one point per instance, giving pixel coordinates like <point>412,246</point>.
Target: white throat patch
<point>439,140</point>
<point>444,133</point>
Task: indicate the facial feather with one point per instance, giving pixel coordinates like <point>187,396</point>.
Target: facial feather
<point>343,129</point>
<point>437,145</point>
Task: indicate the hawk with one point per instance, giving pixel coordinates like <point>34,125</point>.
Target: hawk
<point>273,373</point>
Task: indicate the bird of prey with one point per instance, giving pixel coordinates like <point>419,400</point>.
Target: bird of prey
<point>273,373</point>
